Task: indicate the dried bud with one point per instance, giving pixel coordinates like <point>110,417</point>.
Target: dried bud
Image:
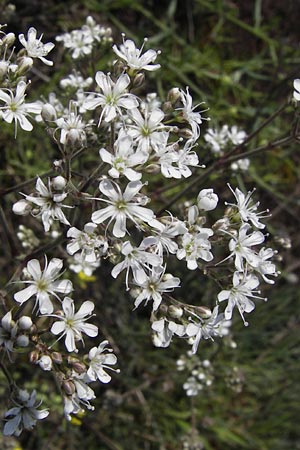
<point>175,311</point>
<point>68,386</point>
<point>203,312</point>
<point>138,80</point>
<point>79,367</point>
<point>9,39</point>
<point>56,357</point>
<point>186,133</point>
<point>25,322</point>
<point>173,95</point>
<point>48,112</point>
<point>34,356</point>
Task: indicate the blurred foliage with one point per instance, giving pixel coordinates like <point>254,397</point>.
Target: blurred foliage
<point>240,58</point>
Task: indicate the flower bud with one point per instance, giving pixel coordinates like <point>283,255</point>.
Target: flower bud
<point>173,95</point>
<point>25,322</point>
<point>24,65</point>
<point>9,39</point>
<point>221,224</point>
<point>167,107</point>
<point>138,80</point>
<point>68,386</point>
<point>175,311</point>
<point>186,133</point>
<point>22,208</point>
<point>22,340</point>
<point>45,362</point>
<point>152,168</point>
<point>59,183</point>
<point>79,367</point>
<point>56,357</point>
<point>203,312</point>
<point>207,200</point>
<point>34,356</point>
<point>48,112</point>
<point>3,69</point>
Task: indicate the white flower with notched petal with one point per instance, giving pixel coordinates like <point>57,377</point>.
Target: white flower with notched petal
<point>123,206</point>
<point>124,158</point>
<point>247,209</point>
<point>113,98</point>
<point>155,285</point>
<point>101,358</point>
<point>240,295</point>
<point>195,246</point>
<point>15,108</point>
<point>240,247</point>
<point>190,115</point>
<point>72,325</point>
<point>133,55</point>
<point>148,130</point>
<point>35,48</point>
<point>91,244</point>
<point>24,415</point>
<point>43,284</point>
<point>48,202</point>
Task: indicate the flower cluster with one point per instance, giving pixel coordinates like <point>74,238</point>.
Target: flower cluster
<point>111,215</point>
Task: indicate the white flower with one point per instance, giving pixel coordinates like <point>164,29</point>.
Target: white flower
<point>204,328</point>
<point>75,81</point>
<point>95,31</point>
<point>49,204</point>
<point>240,295</point>
<point>80,264</point>
<point>91,244</point>
<point>124,158</point>
<point>78,42</point>
<point>72,129</point>
<point>34,47</point>
<point>247,209</point>
<point>189,114</point>
<point>24,415</point>
<point>16,109</point>
<point>296,93</point>
<point>80,397</point>
<point>72,325</point>
<point>123,206</point>
<point>207,199</point>
<point>217,139</point>
<point>114,96</point>
<point>147,131</point>
<point>240,247</point>
<point>43,284</point>
<point>241,164</point>
<point>266,267</point>
<point>100,359</point>
<point>164,239</point>
<point>195,246</point>
<point>236,135</point>
<point>164,330</point>
<point>138,260</point>
<point>155,285</point>
<point>192,386</point>
<point>134,58</point>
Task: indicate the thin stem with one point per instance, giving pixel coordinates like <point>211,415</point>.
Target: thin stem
<point>19,186</point>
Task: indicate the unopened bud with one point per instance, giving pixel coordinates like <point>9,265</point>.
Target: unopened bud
<point>173,95</point>
<point>25,322</point>
<point>175,311</point>
<point>167,107</point>
<point>221,224</point>
<point>186,133</point>
<point>45,362</point>
<point>203,312</point>
<point>22,340</point>
<point>56,357</point>
<point>48,112</point>
<point>22,208</point>
<point>59,183</point>
<point>24,65</point>
<point>74,138</point>
<point>9,39</point>
<point>138,80</point>
<point>34,356</point>
<point>152,168</point>
<point>69,387</point>
<point>3,69</point>
<point>79,367</point>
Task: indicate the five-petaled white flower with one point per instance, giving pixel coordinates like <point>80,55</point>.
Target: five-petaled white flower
<point>114,96</point>
<point>16,109</point>
<point>240,295</point>
<point>35,48</point>
<point>43,284</point>
<point>190,115</point>
<point>133,56</point>
<point>101,358</point>
<point>72,325</point>
<point>148,130</point>
<point>123,206</point>
<point>24,415</point>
